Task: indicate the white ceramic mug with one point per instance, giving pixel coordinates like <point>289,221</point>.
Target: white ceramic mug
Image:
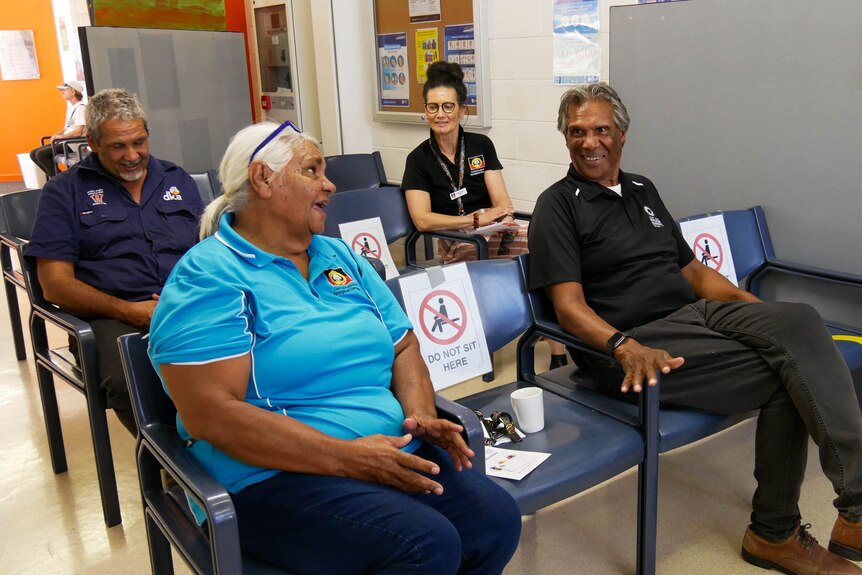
<point>529,408</point>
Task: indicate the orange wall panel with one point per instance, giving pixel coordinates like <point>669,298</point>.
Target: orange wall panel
<point>30,109</point>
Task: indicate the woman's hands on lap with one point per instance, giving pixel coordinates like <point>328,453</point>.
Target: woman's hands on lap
<point>442,433</point>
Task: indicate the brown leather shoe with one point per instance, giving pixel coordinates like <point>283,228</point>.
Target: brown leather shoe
<point>847,539</point>
<point>799,554</point>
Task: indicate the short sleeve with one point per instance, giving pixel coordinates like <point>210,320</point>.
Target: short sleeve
<point>56,229</point>
<point>416,175</point>
<point>79,118</point>
<point>492,162</point>
<point>555,253</point>
<point>203,315</point>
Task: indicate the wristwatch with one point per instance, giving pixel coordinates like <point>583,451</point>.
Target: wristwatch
<point>615,341</point>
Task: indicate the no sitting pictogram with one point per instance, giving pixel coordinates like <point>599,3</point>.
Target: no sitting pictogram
<point>366,245</point>
<point>445,313</point>
<point>708,251</point>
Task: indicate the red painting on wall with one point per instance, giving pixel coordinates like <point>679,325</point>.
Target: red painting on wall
<point>182,14</point>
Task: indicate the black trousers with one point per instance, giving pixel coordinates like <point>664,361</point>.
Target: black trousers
<point>778,358</point>
<point>43,156</point>
<point>110,366</point>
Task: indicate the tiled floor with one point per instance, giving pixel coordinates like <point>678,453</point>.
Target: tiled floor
<point>53,523</point>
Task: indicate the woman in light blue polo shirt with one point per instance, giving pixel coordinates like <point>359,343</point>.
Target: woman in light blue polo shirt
<point>299,385</point>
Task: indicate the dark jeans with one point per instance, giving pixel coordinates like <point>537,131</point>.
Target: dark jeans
<point>111,376</point>
<point>320,524</point>
<point>778,358</point>
<point>43,156</point>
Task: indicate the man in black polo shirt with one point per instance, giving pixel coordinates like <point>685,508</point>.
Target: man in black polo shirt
<point>622,279</point>
<point>109,231</point>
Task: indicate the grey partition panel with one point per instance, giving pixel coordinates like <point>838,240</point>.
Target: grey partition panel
<point>192,83</point>
<point>742,102</point>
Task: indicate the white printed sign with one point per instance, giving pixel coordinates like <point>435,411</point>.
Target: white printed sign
<point>446,320</point>
<point>707,238</point>
<point>366,238</point>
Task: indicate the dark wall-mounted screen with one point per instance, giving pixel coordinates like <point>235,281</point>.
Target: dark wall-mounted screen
<point>193,85</point>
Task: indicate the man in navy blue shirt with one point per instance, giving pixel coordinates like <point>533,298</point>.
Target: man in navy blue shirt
<point>109,231</point>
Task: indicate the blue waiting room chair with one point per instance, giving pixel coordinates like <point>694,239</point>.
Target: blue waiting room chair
<point>212,548</point>
<point>209,186</point>
<point>387,203</point>
<point>17,214</point>
<point>587,447</point>
<point>356,171</point>
<point>78,369</point>
<point>755,260</point>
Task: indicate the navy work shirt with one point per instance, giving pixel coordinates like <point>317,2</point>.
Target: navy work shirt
<point>118,246</point>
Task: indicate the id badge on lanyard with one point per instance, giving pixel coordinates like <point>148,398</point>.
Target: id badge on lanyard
<point>457,194</point>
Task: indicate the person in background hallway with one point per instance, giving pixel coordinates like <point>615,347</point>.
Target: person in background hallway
<point>73,93</point>
<point>454,181</point>
<point>299,385</point>
<point>109,231</point>
<point>622,278</point>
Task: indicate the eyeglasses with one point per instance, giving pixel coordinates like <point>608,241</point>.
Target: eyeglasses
<point>433,107</point>
<point>271,137</point>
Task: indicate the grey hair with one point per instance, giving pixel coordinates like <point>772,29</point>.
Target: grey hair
<point>112,104</point>
<point>233,170</point>
<point>597,92</point>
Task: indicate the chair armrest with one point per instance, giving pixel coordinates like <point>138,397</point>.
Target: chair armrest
<point>463,416</point>
<point>212,497</point>
<point>805,271</point>
<point>477,240</point>
<point>526,216</point>
<point>64,320</point>
<point>44,140</point>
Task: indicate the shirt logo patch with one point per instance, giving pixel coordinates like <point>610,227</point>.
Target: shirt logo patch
<point>172,194</point>
<point>97,197</point>
<point>477,165</point>
<point>337,277</point>
<point>652,217</point>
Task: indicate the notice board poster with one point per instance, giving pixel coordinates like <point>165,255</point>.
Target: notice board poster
<point>410,36</point>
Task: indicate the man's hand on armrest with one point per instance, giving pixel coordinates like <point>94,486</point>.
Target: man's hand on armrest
<point>62,288</point>
<point>639,363</point>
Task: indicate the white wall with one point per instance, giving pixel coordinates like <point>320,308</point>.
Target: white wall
<point>523,98</point>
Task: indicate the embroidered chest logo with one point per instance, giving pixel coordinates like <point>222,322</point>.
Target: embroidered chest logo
<point>477,165</point>
<point>652,217</point>
<point>173,194</point>
<point>97,197</point>
<point>337,277</point>
<point>343,283</point>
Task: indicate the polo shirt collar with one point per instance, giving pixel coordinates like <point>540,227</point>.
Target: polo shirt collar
<point>591,190</point>
<point>319,252</point>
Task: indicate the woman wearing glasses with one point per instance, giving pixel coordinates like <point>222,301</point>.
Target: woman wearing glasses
<point>299,385</point>
<point>454,181</point>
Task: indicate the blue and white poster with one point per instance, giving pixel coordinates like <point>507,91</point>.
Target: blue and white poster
<point>460,49</point>
<point>394,69</point>
<point>577,51</point>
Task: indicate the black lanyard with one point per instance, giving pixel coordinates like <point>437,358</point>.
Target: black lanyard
<point>461,165</point>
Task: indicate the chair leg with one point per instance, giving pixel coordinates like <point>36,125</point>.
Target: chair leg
<point>104,462</point>
<point>489,377</point>
<point>15,320</point>
<point>159,546</point>
<point>648,484</point>
<point>51,413</point>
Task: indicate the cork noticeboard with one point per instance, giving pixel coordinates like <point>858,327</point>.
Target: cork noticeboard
<point>407,36</point>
